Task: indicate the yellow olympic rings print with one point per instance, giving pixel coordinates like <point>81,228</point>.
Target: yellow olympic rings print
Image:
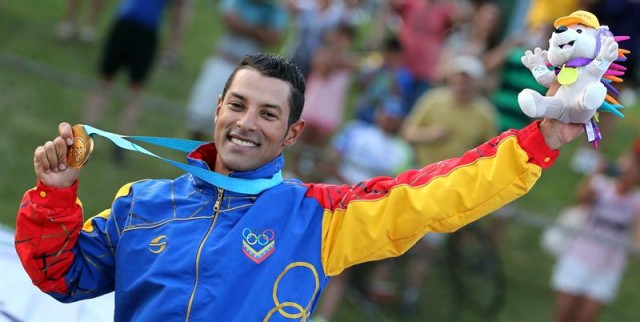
<point>301,313</point>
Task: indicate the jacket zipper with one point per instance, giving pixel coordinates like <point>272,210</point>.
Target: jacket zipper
<point>216,209</point>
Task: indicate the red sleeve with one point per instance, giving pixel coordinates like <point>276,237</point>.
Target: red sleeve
<point>532,142</point>
<point>529,138</point>
<point>47,227</point>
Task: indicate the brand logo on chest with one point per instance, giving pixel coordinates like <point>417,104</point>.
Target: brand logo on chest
<point>158,244</point>
<point>258,244</point>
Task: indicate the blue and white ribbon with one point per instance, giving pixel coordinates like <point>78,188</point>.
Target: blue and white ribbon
<point>240,185</point>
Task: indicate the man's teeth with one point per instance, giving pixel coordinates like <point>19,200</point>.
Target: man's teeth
<point>242,143</point>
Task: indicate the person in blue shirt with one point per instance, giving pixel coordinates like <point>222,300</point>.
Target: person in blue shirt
<point>132,44</point>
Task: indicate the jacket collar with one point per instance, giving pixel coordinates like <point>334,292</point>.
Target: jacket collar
<point>205,157</point>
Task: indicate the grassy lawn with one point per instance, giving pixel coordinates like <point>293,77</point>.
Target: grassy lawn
<point>31,106</point>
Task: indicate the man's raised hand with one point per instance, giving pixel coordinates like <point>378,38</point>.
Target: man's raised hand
<point>50,160</point>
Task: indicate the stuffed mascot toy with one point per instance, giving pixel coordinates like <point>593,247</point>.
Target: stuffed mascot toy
<point>582,54</point>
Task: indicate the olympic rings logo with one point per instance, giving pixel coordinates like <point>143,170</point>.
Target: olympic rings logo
<point>301,313</point>
<point>262,237</point>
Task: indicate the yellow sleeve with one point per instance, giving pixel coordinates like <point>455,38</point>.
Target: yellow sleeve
<point>384,217</point>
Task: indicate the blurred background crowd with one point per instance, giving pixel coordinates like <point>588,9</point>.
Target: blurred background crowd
<point>391,85</point>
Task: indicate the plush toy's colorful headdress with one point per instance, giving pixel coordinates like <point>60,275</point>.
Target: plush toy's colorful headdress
<point>613,73</point>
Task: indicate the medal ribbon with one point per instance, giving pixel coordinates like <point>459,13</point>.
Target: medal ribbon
<point>240,185</point>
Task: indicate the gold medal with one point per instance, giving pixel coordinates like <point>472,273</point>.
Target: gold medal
<point>78,153</point>
<point>567,75</point>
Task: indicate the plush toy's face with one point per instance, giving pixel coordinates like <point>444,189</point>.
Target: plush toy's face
<point>576,41</point>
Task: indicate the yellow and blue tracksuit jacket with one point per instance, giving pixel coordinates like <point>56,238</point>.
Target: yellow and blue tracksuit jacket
<point>184,250</point>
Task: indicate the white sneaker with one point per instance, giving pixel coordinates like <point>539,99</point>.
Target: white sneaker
<point>65,30</point>
<point>628,97</point>
<point>585,160</point>
<point>87,34</point>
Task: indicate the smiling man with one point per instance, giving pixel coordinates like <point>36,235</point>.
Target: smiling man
<point>188,250</point>
<point>252,121</point>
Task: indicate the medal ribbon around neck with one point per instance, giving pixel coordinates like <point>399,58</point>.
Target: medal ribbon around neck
<point>240,185</point>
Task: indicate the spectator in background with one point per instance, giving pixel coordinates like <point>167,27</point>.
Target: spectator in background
<point>588,273</point>
<point>452,118</point>
<point>425,25</point>
<point>252,26</point>
<point>477,35</point>
<point>327,85</point>
<point>389,78</point>
<point>132,43</point>
<point>365,149</point>
<point>313,20</point>
<point>481,36</point>
<point>68,27</point>
<point>359,151</point>
<point>325,98</point>
<point>512,76</point>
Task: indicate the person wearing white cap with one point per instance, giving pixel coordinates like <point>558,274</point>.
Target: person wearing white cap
<point>454,118</point>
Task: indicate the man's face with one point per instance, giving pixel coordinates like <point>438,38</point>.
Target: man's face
<point>251,122</point>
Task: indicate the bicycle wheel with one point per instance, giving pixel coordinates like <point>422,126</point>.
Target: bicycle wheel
<point>475,272</point>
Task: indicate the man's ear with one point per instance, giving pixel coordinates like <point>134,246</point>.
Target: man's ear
<point>215,115</point>
<point>295,130</point>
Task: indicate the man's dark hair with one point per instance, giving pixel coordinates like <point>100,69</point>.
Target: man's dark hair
<point>280,68</point>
